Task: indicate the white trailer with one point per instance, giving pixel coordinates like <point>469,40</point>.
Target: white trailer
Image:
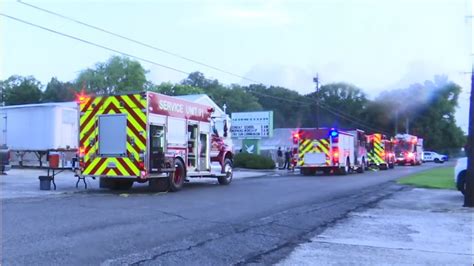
<point>39,128</point>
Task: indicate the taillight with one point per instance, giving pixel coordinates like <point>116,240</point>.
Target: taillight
<point>82,152</point>
<point>141,165</point>
<point>335,155</point>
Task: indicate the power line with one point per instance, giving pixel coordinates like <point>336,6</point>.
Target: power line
<point>172,68</point>
<point>92,43</point>
<point>136,41</point>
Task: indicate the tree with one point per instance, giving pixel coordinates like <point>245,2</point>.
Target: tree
<point>21,90</point>
<point>168,88</point>
<point>234,97</point>
<point>290,109</point>
<point>429,108</point>
<point>118,74</point>
<point>341,105</point>
<point>57,91</point>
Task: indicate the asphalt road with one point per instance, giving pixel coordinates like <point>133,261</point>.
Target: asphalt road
<point>254,220</point>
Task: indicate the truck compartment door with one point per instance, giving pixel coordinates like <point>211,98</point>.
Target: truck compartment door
<point>113,135</point>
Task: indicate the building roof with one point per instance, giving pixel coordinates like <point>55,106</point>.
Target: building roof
<point>203,99</point>
<point>60,104</point>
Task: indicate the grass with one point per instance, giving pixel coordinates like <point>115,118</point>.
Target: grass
<point>434,178</point>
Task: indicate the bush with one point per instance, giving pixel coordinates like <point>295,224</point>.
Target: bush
<point>253,161</point>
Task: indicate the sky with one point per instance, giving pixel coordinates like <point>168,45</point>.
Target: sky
<point>376,45</point>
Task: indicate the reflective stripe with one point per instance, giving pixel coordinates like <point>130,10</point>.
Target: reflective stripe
<point>131,105</point>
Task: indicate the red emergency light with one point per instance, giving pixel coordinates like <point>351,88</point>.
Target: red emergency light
<point>335,155</point>
<point>82,97</point>
<point>296,137</point>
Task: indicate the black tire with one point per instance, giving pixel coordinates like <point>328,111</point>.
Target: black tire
<point>228,170</point>
<point>436,160</point>
<point>361,168</point>
<point>176,180</point>
<point>326,171</point>
<point>159,184</point>
<point>391,165</point>
<point>383,167</point>
<point>461,182</point>
<point>345,170</point>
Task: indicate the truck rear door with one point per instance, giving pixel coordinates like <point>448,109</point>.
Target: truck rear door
<point>113,135</point>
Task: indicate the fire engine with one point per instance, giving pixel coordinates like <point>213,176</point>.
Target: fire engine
<point>408,149</point>
<point>380,151</point>
<point>325,149</point>
<point>360,150</point>
<point>149,137</point>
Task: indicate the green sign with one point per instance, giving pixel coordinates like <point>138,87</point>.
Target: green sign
<point>251,146</point>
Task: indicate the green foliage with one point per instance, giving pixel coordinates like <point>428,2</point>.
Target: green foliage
<point>234,97</point>
<point>434,178</point>
<point>343,98</point>
<point>57,91</point>
<point>253,161</point>
<point>21,90</point>
<point>171,89</point>
<point>271,98</point>
<point>118,74</point>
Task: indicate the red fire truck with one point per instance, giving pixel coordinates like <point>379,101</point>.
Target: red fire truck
<point>380,151</point>
<point>150,137</point>
<point>408,149</point>
<point>325,149</point>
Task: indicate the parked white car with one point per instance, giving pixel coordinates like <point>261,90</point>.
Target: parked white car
<point>431,156</point>
<point>460,173</point>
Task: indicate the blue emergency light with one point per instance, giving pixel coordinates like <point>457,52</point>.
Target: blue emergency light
<point>333,133</point>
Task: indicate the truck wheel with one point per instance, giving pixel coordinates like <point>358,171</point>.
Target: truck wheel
<point>391,165</point>
<point>227,179</point>
<point>177,179</point>
<point>345,170</point>
<point>361,168</point>
<point>461,182</point>
<point>159,184</point>
<point>436,160</point>
<point>383,166</point>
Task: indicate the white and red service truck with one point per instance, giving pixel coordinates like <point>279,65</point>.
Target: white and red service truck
<point>149,137</point>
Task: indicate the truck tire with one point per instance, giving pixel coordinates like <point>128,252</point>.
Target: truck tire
<point>227,179</point>
<point>345,170</point>
<point>461,182</point>
<point>177,179</point>
<point>361,167</point>
<point>383,166</point>
<point>159,184</point>
<point>391,165</point>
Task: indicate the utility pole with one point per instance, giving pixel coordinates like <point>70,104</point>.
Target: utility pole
<point>316,80</point>
<point>469,194</point>
<point>396,121</point>
<point>407,125</point>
